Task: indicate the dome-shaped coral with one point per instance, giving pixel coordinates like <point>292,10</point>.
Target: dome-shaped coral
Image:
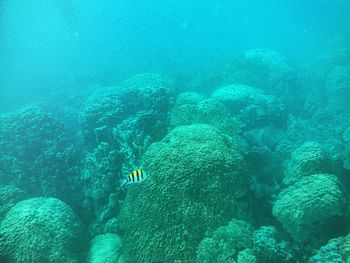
<point>144,98</point>
<point>41,230</point>
<point>196,184</point>
<point>305,208</point>
<point>310,158</point>
<point>192,108</point>
<point>252,105</point>
<point>226,242</point>
<point>105,248</point>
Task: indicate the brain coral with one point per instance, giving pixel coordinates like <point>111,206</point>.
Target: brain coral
<point>196,184</point>
<point>41,230</point>
<point>305,208</point>
<point>310,158</point>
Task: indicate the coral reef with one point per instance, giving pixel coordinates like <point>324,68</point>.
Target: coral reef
<point>246,256</point>
<point>101,113</point>
<point>9,196</point>
<point>192,108</point>
<point>337,250</point>
<point>100,178</point>
<point>105,248</point>
<point>253,168</point>
<point>147,110</point>
<point>269,246</point>
<point>185,108</point>
<point>310,158</point>
<point>262,68</point>
<point>225,243</point>
<point>118,124</point>
<point>196,184</point>
<point>265,69</point>
<point>308,206</point>
<point>251,105</point>
<point>42,230</point>
<point>338,89</point>
<point>37,155</point>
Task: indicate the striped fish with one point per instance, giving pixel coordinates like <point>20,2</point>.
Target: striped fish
<point>135,177</point>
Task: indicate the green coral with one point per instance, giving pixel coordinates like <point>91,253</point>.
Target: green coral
<point>305,208</point>
<point>9,196</point>
<point>118,124</point>
<point>100,114</point>
<point>246,256</point>
<point>337,250</point>
<point>253,106</point>
<point>225,243</point>
<point>265,69</point>
<point>192,108</point>
<point>37,155</point>
<point>197,182</point>
<point>185,108</point>
<point>269,247</point>
<point>310,158</point>
<point>105,249</point>
<point>42,230</point>
<point>100,178</point>
<point>144,98</point>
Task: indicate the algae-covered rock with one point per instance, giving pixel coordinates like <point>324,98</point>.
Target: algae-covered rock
<point>42,230</point>
<point>305,208</point>
<point>310,158</point>
<point>105,249</point>
<point>225,243</point>
<point>196,184</point>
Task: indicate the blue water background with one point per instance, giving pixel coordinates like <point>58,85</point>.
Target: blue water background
<point>49,45</point>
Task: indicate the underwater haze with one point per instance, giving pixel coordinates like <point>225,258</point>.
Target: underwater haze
<point>174,131</point>
<point>48,45</point>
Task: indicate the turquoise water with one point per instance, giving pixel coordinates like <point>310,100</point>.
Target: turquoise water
<point>235,113</point>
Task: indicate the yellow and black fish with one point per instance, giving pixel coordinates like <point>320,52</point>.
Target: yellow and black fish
<point>135,177</point>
